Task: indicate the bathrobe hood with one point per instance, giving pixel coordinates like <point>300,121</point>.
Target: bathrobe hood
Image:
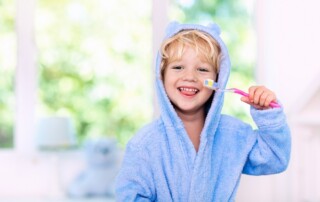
<point>168,114</point>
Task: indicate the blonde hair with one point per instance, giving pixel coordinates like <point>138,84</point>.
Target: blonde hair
<point>205,46</point>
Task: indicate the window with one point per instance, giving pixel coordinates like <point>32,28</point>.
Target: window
<point>7,67</point>
<point>93,64</point>
<point>57,51</point>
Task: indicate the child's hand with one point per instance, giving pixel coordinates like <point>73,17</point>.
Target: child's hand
<point>259,97</point>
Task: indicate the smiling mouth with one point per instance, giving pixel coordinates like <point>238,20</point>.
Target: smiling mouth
<point>188,91</point>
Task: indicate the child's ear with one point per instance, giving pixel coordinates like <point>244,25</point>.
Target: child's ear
<point>215,28</point>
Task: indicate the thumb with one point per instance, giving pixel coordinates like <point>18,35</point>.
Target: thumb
<point>246,100</point>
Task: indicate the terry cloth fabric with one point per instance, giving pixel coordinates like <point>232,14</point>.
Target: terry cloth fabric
<point>161,163</point>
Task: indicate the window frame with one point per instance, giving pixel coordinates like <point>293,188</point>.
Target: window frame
<point>25,83</point>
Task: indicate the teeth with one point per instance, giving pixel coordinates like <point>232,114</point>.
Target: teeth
<point>189,89</point>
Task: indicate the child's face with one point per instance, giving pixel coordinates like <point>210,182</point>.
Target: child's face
<point>183,82</point>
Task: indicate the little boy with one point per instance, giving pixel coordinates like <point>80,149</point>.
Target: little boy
<point>193,152</point>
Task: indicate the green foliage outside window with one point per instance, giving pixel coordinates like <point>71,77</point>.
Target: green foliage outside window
<point>7,64</point>
<point>235,20</point>
<point>95,64</point>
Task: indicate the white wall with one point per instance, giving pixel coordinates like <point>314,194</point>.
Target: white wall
<point>288,46</point>
<point>288,62</point>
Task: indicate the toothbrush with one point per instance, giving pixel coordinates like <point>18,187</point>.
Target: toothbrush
<point>214,86</point>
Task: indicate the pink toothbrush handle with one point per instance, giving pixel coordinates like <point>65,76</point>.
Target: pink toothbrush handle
<point>240,92</point>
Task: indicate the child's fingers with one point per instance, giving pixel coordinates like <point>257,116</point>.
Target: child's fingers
<point>265,98</point>
<point>251,92</point>
<point>255,93</point>
<point>260,97</point>
<point>269,99</point>
<point>247,100</point>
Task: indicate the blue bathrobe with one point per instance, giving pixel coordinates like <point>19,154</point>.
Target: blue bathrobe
<point>161,163</point>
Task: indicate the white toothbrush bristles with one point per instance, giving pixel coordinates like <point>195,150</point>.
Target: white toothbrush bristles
<point>210,84</point>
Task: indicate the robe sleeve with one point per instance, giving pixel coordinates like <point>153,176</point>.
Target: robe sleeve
<point>270,153</point>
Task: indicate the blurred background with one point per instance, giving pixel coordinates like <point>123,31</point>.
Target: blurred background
<point>76,71</point>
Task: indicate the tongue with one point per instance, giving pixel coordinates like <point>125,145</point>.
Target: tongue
<point>188,92</point>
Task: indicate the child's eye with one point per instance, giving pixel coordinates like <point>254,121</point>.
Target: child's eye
<point>177,67</point>
<point>202,69</point>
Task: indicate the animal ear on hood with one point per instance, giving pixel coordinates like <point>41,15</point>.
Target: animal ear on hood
<point>215,28</point>
<point>171,26</point>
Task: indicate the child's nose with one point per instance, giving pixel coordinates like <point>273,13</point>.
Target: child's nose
<point>190,76</point>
